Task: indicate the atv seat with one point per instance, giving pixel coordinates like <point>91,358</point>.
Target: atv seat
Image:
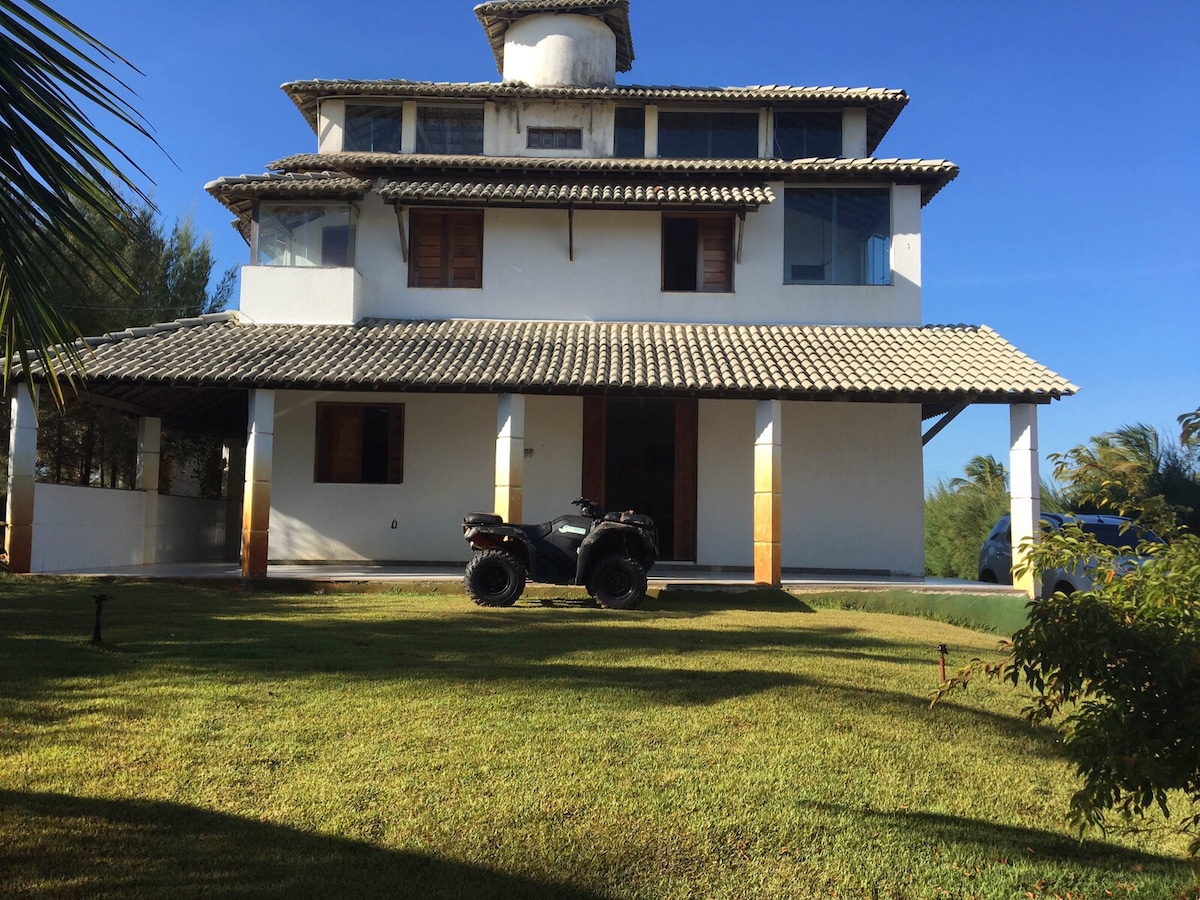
<point>629,517</point>
<point>478,518</point>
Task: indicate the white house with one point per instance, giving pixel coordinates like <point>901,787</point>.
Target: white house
<point>701,303</point>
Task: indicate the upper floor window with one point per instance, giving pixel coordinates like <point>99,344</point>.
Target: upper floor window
<point>554,138</point>
<point>446,249</point>
<point>373,128</point>
<point>837,236</point>
<point>360,444</point>
<point>629,136</point>
<point>697,252</point>
<point>801,135</point>
<point>708,135</point>
<point>304,235</point>
<point>456,130</point>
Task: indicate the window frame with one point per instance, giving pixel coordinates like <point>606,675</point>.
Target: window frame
<point>419,221</point>
<point>572,138</point>
<point>256,232</point>
<point>783,113</point>
<point>325,443</point>
<point>753,116</point>
<point>398,118</point>
<point>625,133</point>
<point>727,221</point>
<point>833,253</point>
<point>423,108</point>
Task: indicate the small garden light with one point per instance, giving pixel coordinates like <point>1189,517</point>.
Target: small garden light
<point>941,649</point>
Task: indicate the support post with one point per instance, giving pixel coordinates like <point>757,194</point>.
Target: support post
<point>1025,492</point>
<point>22,463</point>
<point>149,462</point>
<point>510,456</point>
<point>768,493</point>
<point>256,504</point>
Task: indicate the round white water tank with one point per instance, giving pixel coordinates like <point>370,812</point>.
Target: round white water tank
<point>550,50</point>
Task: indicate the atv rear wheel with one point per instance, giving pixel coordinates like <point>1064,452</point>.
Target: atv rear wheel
<point>618,582</point>
<point>494,578</point>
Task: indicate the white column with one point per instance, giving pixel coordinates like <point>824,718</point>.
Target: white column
<point>510,456</point>
<point>149,461</point>
<point>768,493</point>
<point>256,504</point>
<point>1024,490</point>
<point>22,463</point>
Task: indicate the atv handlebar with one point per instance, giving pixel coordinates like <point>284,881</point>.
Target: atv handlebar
<point>589,508</point>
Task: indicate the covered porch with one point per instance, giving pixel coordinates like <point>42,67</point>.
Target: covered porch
<point>253,381</point>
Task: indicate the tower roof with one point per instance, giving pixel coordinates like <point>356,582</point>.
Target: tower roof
<point>496,18</point>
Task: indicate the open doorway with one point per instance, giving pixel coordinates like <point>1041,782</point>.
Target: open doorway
<point>640,453</point>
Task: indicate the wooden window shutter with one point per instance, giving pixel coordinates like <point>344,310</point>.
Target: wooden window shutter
<point>425,254</point>
<point>716,254</point>
<point>395,473</point>
<point>464,240</point>
<point>339,443</point>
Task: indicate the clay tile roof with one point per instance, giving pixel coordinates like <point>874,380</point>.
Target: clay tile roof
<point>881,364</point>
<point>611,194</point>
<point>883,105</point>
<point>497,17</point>
<point>931,174</point>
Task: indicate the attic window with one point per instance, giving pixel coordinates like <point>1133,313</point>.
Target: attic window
<point>803,135</point>
<point>708,135</point>
<point>554,138</point>
<point>453,130</point>
<point>373,128</point>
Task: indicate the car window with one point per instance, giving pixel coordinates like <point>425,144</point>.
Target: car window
<point>1116,535</point>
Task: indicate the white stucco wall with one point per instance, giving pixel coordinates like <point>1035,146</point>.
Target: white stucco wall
<point>527,274</point>
<point>852,487</point>
<point>83,527</point>
<point>449,461</point>
<point>508,136</point>
<point>560,49</point>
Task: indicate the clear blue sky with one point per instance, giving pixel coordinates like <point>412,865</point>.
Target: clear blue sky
<point>1072,229</point>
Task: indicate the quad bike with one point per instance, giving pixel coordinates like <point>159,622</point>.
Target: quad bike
<point>609,553</point>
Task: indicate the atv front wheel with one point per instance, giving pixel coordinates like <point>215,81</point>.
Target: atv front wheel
<point>618,583</point>
<point>494,578</point>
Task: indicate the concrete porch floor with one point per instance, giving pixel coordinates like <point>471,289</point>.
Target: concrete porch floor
<point>662,577</point>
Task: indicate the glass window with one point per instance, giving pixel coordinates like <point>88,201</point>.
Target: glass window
<point>456,130</point>
<point>707,135</point>
<point>834,236</point>
<point>360,444</point>
<point>629,141</point>
<point>801,135</point>
<point>554,138</point>
<point>373,128</point>
<point>305,236</point>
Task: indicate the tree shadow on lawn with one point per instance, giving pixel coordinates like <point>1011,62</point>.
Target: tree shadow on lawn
<point>60,846</point>
<point>976,843</point>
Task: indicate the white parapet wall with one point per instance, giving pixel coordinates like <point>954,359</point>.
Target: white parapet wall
<point>81,528</point>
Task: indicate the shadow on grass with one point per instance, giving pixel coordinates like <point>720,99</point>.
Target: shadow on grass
<point>64,846</point>
<point>962,839</point>
<point>661,659</point>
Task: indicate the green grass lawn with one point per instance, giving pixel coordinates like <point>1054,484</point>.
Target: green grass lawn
<point>240,744</point>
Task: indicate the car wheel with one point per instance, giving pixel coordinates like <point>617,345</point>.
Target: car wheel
<point>987,576</point>
<point>1064,587</point>
<point>494,578</point>
<point>618,582</point>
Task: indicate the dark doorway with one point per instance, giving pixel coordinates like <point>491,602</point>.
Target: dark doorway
<point>641,454</point>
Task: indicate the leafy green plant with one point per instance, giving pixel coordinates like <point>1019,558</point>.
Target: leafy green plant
<point>1119,667</point>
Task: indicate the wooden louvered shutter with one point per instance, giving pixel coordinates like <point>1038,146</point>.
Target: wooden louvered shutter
<point>339,443</point>
<point>464,241</point>
<point>425,254</point>
<point>716,254</point>
<point>395,466</point>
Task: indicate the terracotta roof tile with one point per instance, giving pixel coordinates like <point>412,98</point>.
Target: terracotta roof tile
<point>609,194</point>
<point>908,364</point>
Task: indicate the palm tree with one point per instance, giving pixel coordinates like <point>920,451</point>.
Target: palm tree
<point>58,177</point>
<point>982,473</point>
